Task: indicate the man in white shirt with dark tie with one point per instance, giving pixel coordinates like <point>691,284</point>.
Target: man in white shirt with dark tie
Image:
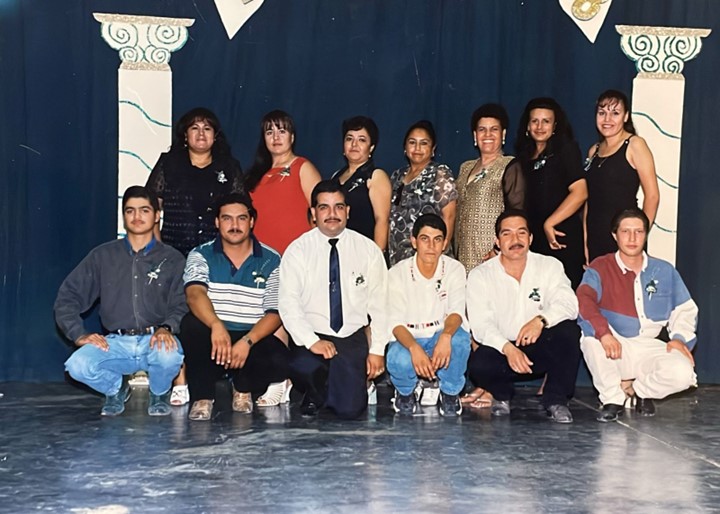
<point>332,280</point>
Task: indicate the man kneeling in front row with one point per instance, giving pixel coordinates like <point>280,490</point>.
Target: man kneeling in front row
<point>138,281</point>
<point>426,296</point>
<point>626,298</point>
<point>522,311</point>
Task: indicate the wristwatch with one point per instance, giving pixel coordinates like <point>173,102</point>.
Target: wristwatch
<point>543,320</point>
<point>166,327</point>
<point>250,342</point>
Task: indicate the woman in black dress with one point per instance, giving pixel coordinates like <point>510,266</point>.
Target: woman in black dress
<point>617,166</point>
<point>555,184</point>
<point>367,187</point>
<point>198,168</point>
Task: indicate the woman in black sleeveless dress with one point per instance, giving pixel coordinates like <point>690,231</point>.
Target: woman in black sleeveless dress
<point>615,168</point>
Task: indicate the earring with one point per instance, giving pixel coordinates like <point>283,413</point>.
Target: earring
<point>370,156</point>
<point>475,142</point>
<point>503,141</point>
<point>527,133</point>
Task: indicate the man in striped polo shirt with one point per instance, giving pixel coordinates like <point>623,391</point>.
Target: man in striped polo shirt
<point>231,284</point>
<point>626,298</point>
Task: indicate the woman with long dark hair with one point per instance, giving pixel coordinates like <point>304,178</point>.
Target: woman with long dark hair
<point>555,184</point>
<point>616,167</point>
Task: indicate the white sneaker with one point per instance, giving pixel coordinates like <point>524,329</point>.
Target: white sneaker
<point>180,395</point>
<point>430,393</point>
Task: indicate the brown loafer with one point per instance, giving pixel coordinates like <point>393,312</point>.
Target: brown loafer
<point>201,410</point>
<point>242,402</point>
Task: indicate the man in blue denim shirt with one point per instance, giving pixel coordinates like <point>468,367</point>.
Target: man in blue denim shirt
<point>138,281</point>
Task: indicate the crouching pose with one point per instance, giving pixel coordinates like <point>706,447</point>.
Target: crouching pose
<point>522,311</point>
<point>426,297</point>
<point>231,285</point>
<point>331,280</point>
<point>626,298</point>
<point>138,281</point>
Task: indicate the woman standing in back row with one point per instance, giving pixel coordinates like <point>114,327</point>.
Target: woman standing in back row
<point>616,166</point>
<point>556,187</point>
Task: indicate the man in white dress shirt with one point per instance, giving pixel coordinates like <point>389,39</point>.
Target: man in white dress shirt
<point>521,310</point>
<point>332,279</point>
<point>426,301</point>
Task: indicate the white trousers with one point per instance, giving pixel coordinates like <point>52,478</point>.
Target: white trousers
<point>657,372</point>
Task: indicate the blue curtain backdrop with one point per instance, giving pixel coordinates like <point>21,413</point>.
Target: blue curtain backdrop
<point>394,60</point>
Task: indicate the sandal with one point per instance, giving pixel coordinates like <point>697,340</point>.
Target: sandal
<point>201,410</point>
<point>477,399</point>
<point>473,395</point>
<point>242,402</point>
<point>483,402</point>
<point>180,395</point>
<point>276,393</point>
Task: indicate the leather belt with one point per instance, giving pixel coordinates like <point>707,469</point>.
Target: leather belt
<point>135,331</point>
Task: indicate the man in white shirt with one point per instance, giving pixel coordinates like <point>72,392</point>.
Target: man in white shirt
<point>426,301</point>
<point>332,279</point>
<point>521,310</point>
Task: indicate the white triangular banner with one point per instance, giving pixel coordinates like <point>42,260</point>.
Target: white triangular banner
<point>234,13</point>
<point>589,15</point>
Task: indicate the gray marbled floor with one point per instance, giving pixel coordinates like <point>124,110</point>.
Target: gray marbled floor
<point>58,455</point>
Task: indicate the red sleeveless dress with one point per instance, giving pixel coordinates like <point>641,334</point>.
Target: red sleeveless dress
<point>281,206</point>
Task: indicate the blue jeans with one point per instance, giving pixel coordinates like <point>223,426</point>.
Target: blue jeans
<point>452,379</point>
<point>104,370</point>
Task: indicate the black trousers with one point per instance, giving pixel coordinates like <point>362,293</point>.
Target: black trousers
<point>556,352</point>
<point>339,383</point>
<point>267,362</point>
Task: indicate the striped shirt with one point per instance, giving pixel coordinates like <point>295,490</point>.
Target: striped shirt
<point>612,296</point>
<point>240,296</point>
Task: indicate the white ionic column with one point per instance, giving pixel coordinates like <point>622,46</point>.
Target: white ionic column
<point>144,44</point>
<point>658,94</point>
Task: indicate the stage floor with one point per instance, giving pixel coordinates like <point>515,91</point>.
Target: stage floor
<point>58,455</point>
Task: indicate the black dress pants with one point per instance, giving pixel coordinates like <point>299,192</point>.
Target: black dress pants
<point>267,362</point>
<point>556,352</point>
<point>339,383</point>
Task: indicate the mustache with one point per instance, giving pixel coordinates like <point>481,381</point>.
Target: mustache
<point>517,246</point>
<point>235,231</point>
<point>332,219</point>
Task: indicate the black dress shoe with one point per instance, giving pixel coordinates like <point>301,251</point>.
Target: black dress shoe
<point>644,406</point>
<point>610,412</point>
<point>309,408</point>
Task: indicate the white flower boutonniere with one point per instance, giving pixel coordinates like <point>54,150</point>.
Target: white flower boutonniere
<point>535,294</point>
<point>651,288</point>
<point>154,272</point>
<point>259,278</point>
<point>221,176</point>
<point>285,172</point>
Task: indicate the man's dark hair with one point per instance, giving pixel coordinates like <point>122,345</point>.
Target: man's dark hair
<point>325,186</point>
<point>231,198</point>
<point>429,220</point>
<point>633,212</point>
<point>510,213</point>
<point>140,192</point>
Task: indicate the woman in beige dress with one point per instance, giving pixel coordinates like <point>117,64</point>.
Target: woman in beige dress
<point>486,186</point>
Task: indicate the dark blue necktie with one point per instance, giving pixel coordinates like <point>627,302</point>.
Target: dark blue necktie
<point>336,315</point>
